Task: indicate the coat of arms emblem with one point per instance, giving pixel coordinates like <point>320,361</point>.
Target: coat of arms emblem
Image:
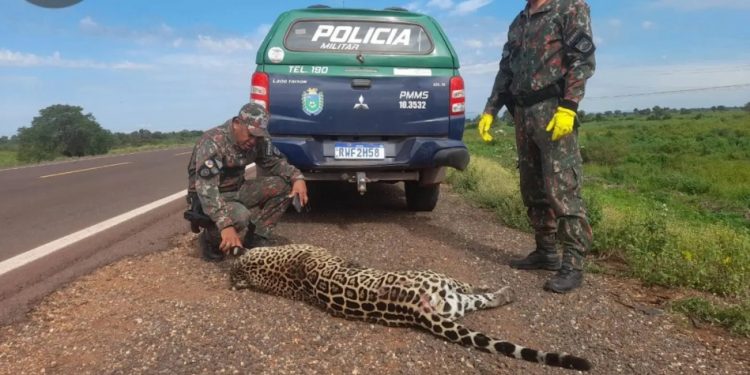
<point>312,101</point>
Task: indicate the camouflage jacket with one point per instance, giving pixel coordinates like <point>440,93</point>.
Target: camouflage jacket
<point>218,165</point>
<point>554,45</point>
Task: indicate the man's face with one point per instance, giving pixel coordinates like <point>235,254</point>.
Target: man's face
<point>245,140</point>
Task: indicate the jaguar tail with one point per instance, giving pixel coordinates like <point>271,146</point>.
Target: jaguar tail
<point>459,334</point>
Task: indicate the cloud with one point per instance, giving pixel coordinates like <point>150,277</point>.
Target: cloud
<point>613,86</point>
<point>203,61</point>
<point>88,24</point>
<point>263,29</point>
<point>161,33</point>
<point>441,4</point>
<point>127,65</point>
<point>648,25</point>
<point>470,6</point>
<point>474,43</point>
<point>615,23</point>
<point>481,68</point>
<point>693,5</point>
<point>21,59</point>
<point>226,45</point>
<point>414,6</point>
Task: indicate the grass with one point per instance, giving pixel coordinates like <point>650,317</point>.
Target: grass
<point>671,197</point>
<point>8,157</point>
<point>734,318</point>
<point>130,149</point>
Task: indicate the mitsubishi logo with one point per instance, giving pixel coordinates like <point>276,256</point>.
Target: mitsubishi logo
<point>361,104</point>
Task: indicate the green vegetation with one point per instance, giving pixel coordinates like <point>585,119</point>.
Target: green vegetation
<point>62,131</point>
<point>145,139</point>
<point>124,143</point>
<point>668,192</point>
<point>734,318</point>
<point>8,159</point>
<point>8,152</point>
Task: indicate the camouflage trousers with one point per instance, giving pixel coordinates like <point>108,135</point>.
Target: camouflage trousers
<point>551,184</point>
<point>261,201</point>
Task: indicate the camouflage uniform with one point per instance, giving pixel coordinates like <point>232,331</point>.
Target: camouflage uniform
<point>216,172</point>
<point>551,49</point>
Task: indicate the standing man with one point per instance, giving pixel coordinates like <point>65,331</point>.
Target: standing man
<point>216,175</point>
<point>543,71</point>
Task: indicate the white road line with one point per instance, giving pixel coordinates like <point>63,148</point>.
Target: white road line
<point>51,247</point>
<point>85,169</point>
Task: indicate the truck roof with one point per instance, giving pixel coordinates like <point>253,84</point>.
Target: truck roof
<point>442,56</point>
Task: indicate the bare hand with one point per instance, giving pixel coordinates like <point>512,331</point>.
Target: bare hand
<point>229,239</point>
<point>300,188</point>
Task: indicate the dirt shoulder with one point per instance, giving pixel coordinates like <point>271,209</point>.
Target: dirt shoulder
<point>170,312</point>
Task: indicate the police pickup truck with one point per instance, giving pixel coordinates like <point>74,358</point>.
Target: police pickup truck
<point>364,96</point>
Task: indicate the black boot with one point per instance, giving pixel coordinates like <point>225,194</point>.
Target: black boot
<point>565,280</point>
<point>538,259</point>
<point>210,247</point>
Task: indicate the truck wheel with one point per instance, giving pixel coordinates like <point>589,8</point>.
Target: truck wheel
<point>421,198</point>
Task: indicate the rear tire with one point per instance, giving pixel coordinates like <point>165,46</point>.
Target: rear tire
<point>421,198</point>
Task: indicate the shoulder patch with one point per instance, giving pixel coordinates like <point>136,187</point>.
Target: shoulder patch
<point>579,41</point>
<point>205,172</point>
<point>209,168</point>
<point>270,149</point>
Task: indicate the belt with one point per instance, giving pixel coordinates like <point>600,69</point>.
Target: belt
<point>224,189</point>
<point>554,90</point>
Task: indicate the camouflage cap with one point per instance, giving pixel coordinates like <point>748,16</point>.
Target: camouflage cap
<point>256,118</point>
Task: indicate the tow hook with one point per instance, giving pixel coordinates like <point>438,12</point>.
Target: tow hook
<point>361,183</point>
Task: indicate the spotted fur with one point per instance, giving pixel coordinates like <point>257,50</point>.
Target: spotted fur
<point>407,298</point>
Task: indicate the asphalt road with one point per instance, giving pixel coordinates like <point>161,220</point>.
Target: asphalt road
<point>42,203</point>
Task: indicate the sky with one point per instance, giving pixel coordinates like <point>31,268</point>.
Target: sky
<point>168,65</point>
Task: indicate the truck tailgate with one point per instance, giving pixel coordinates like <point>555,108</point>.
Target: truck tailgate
<point>331,106</point>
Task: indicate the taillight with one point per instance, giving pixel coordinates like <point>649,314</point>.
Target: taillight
<point>458,99</point>
<point>259,89</point>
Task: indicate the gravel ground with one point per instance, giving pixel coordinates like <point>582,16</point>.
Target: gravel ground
<point>171,312</point>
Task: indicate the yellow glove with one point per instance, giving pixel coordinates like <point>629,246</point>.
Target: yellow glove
<point>561,123</point>
<point>485,123</point>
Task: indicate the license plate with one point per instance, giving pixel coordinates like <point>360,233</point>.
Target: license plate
<point>359,151</point>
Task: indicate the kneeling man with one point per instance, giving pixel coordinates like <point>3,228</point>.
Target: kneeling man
<point>216,175</point>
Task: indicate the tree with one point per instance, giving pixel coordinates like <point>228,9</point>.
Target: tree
<point>62,130</point>
<point>747,107</point>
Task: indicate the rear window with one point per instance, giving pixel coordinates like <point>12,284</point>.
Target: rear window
<point>347,36</point>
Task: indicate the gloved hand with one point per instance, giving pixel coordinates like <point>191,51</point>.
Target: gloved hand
<point>561,123</point>
<point>485,123</point>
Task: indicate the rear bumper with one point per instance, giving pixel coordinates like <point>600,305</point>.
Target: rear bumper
<point>403,154</point>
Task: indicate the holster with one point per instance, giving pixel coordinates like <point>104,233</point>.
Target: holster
<point>195,215</point>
